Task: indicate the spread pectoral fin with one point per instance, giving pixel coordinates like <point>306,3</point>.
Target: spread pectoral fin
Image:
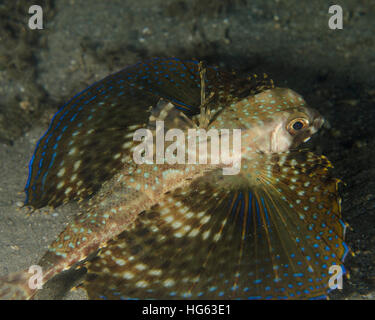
<point>223,237</point>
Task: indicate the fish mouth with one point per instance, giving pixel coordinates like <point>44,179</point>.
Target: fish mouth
<point>314,128</point>
<point>318,123</point>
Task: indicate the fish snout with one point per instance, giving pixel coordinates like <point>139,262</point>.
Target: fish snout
<point>318,122</point>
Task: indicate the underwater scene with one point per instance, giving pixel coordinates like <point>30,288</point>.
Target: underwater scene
<point>185,149</point>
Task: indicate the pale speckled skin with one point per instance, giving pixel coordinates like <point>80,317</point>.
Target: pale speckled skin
<point>267,115</point>
<point>135,189</point>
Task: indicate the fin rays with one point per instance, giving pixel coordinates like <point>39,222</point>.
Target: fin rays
<point>221,238</point>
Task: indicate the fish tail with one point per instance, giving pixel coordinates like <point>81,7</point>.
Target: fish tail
<point>15,286</point>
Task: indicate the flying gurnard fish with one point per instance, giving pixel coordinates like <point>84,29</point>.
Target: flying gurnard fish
<point>174,231</point>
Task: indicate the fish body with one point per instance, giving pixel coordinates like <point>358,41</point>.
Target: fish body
<point>186,230</point>
<point>254,235</point>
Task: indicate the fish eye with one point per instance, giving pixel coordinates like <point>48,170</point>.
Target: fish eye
<point>297,124</point>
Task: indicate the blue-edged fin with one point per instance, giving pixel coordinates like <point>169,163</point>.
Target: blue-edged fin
<point>88,140</point>
<point>271,232</point>
<point>90,137</point>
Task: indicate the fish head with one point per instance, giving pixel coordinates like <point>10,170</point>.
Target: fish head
<point>301,124</point>
<point>275,121</point>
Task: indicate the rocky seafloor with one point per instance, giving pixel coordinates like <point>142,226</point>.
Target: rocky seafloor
<point>85,40</point>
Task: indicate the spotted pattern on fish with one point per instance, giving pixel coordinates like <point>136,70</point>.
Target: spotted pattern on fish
<point>187,231</point>
<point>89,138</point>
<point>271,232</point>
<point>223,237</point>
